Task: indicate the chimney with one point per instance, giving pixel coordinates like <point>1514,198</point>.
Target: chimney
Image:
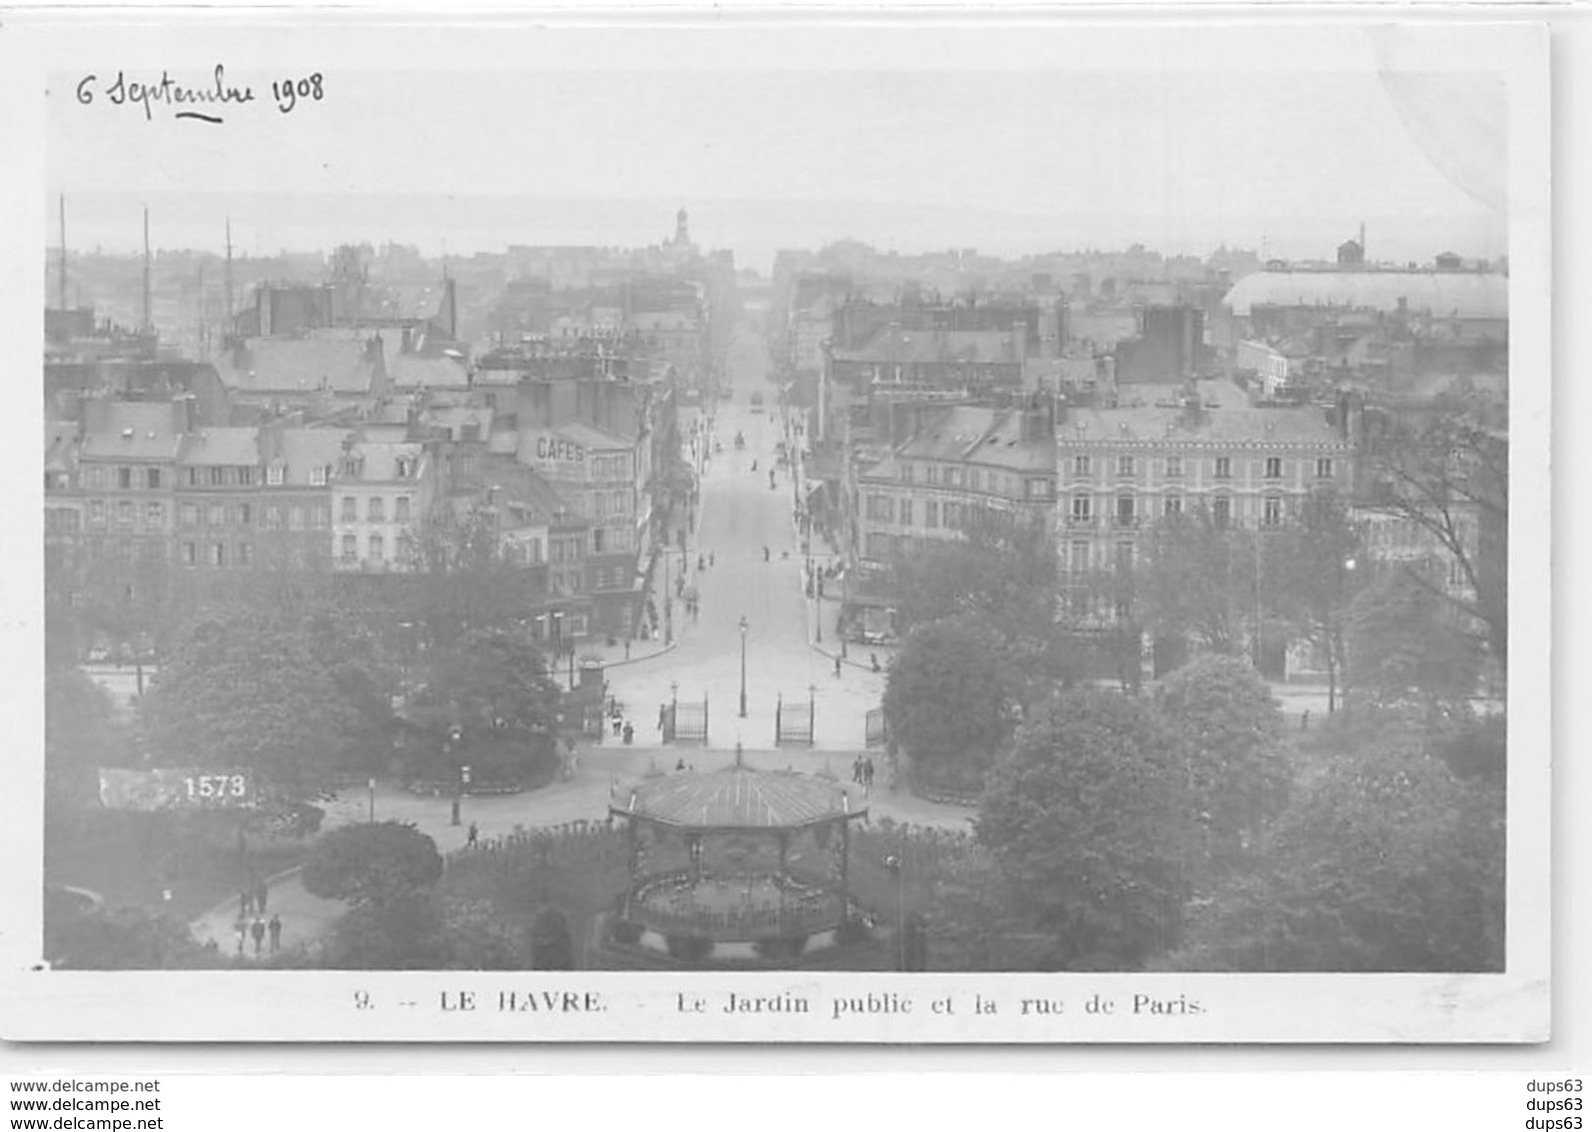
<point>1193,410</point>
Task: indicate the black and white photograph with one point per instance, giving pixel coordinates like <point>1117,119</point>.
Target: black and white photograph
<point>927,532</point>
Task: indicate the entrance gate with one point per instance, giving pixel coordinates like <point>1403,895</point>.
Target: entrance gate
<point>793,722</point>
<point>878,731</point>
<point>686,722</point>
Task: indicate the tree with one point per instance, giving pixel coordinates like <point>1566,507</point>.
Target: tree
<point>251,690</point>
<point>1087,816</point>
<point>551,947</point>
<point>948,698</point>
<point>466,576</point>
<point>402,933</point>
<point>120,939</point>
<point>1448,474</point>
<point>1312,572</point>
<point>1404,643</point>
<point>1227,729</point>
<point>1196,580</point>
<point>493,687</point>
<point>80,736</point>
<point>373,863</point>
<point>1385,862</point>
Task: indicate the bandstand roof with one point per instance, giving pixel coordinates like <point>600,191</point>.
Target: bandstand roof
<point>739,797</point>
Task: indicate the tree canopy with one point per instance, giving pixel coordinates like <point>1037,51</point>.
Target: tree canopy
<point>1385,862</point>
<point>247,689</point>
<point>1087,815</point>
<point>1226,730</point>
<point>372,863</point>
<point>948,698</point>
<point>1404,643</point>
<point>1196,580</point>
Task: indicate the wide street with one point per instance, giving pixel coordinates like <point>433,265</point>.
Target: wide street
<point>738,515</point>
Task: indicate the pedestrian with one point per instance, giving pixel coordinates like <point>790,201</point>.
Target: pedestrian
<point>1304,720</point>
<point>837,666</point>
<point>472,836</point>
<point>627,648</point>
<point>619,723</point>
<point>245,904</point>
<point>630,733</point>
<point>754,465</point>
<point>765,554</point>
<point>262,893</point>
<point>867,772</point>
<point>257,930</point>
<point>856,769</point>
<point>710,558</point>
<point>680,765</point>
<point>242,930</point>
<point>663,716</point>
<point>276,933</point>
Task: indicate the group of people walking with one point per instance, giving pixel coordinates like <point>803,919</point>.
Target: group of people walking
<point>862,771</point>
<point>252,902</point>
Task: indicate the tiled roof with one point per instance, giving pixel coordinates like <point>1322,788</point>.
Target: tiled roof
<point>279,365</point>
<point>410,371</point>
<point>132,430</point>
<point>1230,425</point>
<point>235,447</point>
<point>304,449</point>
<point>895,345</point>
<point>738,797</point>
<point>1439,293</point>
<point>381,458</point>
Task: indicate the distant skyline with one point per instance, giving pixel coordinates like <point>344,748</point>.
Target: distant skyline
<point>1011,163</point>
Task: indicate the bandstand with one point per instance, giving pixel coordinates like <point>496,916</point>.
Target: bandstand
<point>738,866</point>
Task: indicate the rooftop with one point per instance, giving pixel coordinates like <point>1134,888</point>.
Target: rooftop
<point>1442,294</point>
<point>234,447</point>
<point>738,797</point>
<point>343,363</point>
<point>969,347</point>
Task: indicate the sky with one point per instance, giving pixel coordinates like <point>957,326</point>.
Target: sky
<point>922,157</point>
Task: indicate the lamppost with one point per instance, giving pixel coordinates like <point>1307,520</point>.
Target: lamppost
<point>743,665</point>
<point>1346,567</point>
<point>450,747</point>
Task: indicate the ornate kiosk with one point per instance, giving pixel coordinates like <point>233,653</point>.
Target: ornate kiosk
<point>738,866</point>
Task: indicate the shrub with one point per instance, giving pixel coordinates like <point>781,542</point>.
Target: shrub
<point>851,930</point>
<point>625,932</point>
<point>689,947</point>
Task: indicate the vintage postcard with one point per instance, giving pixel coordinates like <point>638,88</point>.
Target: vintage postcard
<point>735,528</point>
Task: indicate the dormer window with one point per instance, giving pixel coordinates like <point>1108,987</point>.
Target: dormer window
<point>275,474</point>
<point>320,474</point>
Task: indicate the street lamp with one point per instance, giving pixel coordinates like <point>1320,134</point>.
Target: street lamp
<point>743,665</point>
<point>898,871</point>
<point>1334,699</point>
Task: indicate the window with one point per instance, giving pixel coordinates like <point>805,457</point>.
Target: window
<point>124,514</point>
<point>1080,465</point>
<point>1082,508</point>
<point>1323,467</point>
<point>908,473</point>
<point>406,548</point>
<point>1039,489</point>
<point>273,518</point>
<point>218,554</point>
<point>152,479</point>
<point>246,514</point>
<point>1274,467</point>
<point>906,512</point>
<point>1271,511</point>
<point>933,473</point>
<point>973,479</point>
<point>1174,467</point>
<point>323,515</point>
<point>190,554</point>
<point>193,477</point>
<point>953,477</point>
<point>400,509</point>
<point>218,516</point>
<point>1174,505</point>
<point>1125,466</point>
<point>1124,510</point>
<point>350,509</point>
<point>246,477</point>
<point>597,540</point>
<point>320,475</point>
<point>881,509</point>
<point>154,514</point>
<point>556,549</point>
<point>376,510</point>
<point>1222,511</point>
<point>1080,555</point>
<point>124,478</point>
<point>1224,467</point>
<point>245,553</point>
<point>189,515</point>
<point>218,477</point>
<point>378,548</point>
<point>405,465</point>
<point>349,548</point>
<point>931,513</point>
<point>295,517</point>
<point>275,475</point>
<point>96,511</point>
<point>1125,554</point>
